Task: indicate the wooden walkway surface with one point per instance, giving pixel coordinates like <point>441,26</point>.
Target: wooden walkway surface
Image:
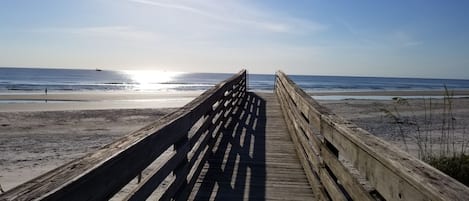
<point>231,144</point>
<point>254,159</point>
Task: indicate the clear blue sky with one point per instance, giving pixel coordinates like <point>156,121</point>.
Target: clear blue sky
<point>365,37</point>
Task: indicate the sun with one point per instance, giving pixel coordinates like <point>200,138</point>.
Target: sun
<point>151,79</point>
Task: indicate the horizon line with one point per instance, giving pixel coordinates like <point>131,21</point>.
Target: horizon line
<point>290,74</point>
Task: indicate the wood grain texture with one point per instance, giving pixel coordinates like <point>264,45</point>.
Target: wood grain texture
<point>254,158</point>
<point>309,142</point>
<point>230,144</point>
<point>100,175</point>
<point>392,172</point>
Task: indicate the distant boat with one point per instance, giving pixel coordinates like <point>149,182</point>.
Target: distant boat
<point>97,69</point>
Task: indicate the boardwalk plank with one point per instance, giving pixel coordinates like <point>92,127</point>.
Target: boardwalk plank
<point>228,144</point>
<point>255,160</point>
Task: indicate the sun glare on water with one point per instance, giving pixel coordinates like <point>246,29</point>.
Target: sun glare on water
<point>151,79</point>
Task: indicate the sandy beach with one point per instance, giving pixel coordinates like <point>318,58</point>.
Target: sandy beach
<point>417,120</point>
<point>33,143</point>
<point>93,100</point>
<point>37,136</point>
<point>413,93</point>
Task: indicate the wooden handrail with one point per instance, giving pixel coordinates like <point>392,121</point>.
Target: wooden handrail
<point>341,161</point>
<point>338,157</point>
<point>185,134</point>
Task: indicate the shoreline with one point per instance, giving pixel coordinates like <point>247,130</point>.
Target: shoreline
<point>94,101</point>
<point>98,96</point>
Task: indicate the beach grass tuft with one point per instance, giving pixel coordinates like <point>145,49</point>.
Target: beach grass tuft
<point>455,166</point>
<point>446,149</point>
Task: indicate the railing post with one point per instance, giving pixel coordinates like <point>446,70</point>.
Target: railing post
<point>388,171</point>
<point>100,175</point>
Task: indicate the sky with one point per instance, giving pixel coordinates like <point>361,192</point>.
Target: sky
<point>411,38</point>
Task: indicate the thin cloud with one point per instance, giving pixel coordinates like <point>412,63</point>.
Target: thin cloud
<point>177,7</point>
<point>241,15</point>
<point>119,32</point>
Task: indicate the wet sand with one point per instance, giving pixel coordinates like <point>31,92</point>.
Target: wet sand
<point>93,101</point>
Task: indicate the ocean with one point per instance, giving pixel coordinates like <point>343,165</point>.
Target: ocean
<point>35,80</point>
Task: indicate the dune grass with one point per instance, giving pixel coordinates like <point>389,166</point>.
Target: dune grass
<point>445,149</point>
<point>455,166</point>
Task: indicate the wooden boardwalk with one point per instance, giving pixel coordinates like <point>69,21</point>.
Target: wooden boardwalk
<point>232,144</point>
<point>255,158</point>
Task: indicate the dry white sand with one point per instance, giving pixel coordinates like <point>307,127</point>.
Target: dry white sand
<point>394,93</point>
<point>416,117</point>
<point>33,143</point>
<point>36,137</point>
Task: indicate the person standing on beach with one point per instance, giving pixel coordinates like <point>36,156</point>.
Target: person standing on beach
<point>45,91</point>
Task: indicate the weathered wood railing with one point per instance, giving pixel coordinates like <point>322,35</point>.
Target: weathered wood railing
<point>180,142</point>
<point>338,157</point>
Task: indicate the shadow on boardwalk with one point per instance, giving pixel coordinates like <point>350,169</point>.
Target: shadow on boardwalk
<point>236,170</point>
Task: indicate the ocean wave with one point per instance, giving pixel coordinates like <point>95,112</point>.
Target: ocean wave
<point>25,79</point>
